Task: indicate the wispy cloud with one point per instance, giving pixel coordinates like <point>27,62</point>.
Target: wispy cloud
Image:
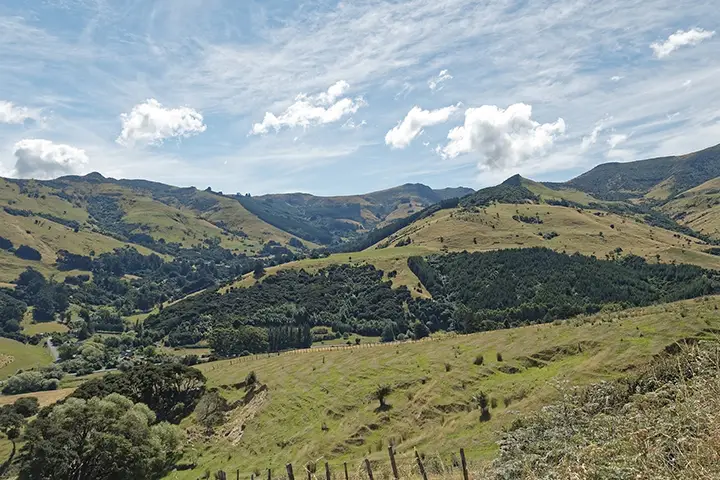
<point>679,39</point>
<point>436,83</point>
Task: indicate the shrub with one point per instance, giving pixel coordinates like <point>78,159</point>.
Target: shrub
<point>499,357</point>
<point>479,360</point>
<point>448,367</point>
<point>251,379</point>
<point>27,253</point>
<point>26,406</point>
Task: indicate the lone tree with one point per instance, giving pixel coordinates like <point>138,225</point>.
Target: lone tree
<point>259,270</point>
<point>380,394</point>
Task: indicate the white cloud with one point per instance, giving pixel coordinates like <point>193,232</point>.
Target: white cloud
<point>43,159</point>
<point>351,125</point>
<point>308,110</point>
<point>679,39</point>
<point>592,139</point>
<point>435,82</point>
<point>412,125</point>
<point>616,78</point>
<point>687,83</point>
<point>150,123</point>
<point>616,139</point>
<point>502,138</point>
<point>404,91</point>
<point>11,113</point>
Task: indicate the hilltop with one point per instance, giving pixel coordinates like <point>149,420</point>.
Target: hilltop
<point>656,179</point>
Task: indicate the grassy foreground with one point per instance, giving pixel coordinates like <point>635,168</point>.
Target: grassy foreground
<point>318,405</point>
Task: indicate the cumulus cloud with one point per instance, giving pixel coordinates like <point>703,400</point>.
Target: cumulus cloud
<point>309,110</point>
<point>11,113</point>
<point>680,39</point>
<point>412,125</point>
<point>435,82</point>
<point>43,159</point>
<point>616,78</point>
<point>150,123</point>
<point>502,138</point>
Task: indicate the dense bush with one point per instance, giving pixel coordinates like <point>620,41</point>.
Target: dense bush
<point>99,438</point>
<point>27,253</point>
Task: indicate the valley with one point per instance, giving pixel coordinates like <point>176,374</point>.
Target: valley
<point>285,314</point>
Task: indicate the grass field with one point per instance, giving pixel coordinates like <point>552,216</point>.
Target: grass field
<point>45,398</point>
<point>15,356</point>
<point>318,405</point>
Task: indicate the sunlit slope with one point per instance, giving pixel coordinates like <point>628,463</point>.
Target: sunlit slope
<point>318,406</point>
<point>564,229</point>
<point>698,208</point>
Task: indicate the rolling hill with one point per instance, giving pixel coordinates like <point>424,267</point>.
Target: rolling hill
<point>330,219</point>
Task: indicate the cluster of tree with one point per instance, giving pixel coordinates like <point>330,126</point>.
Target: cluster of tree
<point>244,340</point>
<point>527,219</point>
<point>503,193</point>
<point>48,297</point>
<point>170,389</point>
<point>508,288</point>
<point>156,280</point>
<point>105,437</point>
<point>11,314</point>
<point>47,378</point>
<point>344,297</point>
<point>28,253</point>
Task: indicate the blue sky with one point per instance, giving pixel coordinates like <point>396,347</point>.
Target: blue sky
<point>335,97</point>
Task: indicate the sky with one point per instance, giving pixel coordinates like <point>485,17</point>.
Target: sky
<point>335,98</point>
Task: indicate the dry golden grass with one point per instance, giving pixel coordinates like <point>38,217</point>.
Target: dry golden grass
<point>45,398</point>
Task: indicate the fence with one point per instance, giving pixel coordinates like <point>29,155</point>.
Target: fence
<point>329,348</point>
<point>367,466</point>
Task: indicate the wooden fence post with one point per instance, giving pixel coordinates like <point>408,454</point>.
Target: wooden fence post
<point>346,473</point>
<point>369,468</point>
<point>391,452</point>
<point>288,467</point>
<point>420,465</point>
<point>327,471</point>
<point>464,464</point>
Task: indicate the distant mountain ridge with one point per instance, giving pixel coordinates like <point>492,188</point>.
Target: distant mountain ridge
<point>655,179</point>
<point>334,218</point>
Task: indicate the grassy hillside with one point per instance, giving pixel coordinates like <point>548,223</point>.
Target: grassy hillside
<point>93,214</point>
<point>563,229</point>
<point>698,208</point>
<point>658,178</point>
<point>15,356</point>
<point>318,405</point>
